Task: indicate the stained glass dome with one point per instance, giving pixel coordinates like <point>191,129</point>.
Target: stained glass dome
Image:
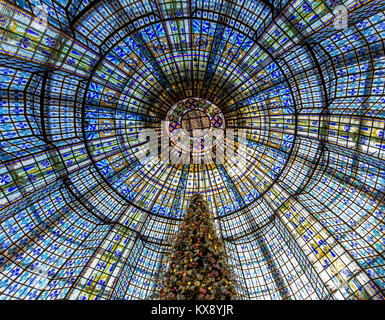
<point>301,211</point>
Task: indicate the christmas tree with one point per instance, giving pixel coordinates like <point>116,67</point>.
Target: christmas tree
<point>198,268</point>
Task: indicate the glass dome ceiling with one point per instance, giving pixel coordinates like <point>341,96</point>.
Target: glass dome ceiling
<point>301,213</point>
